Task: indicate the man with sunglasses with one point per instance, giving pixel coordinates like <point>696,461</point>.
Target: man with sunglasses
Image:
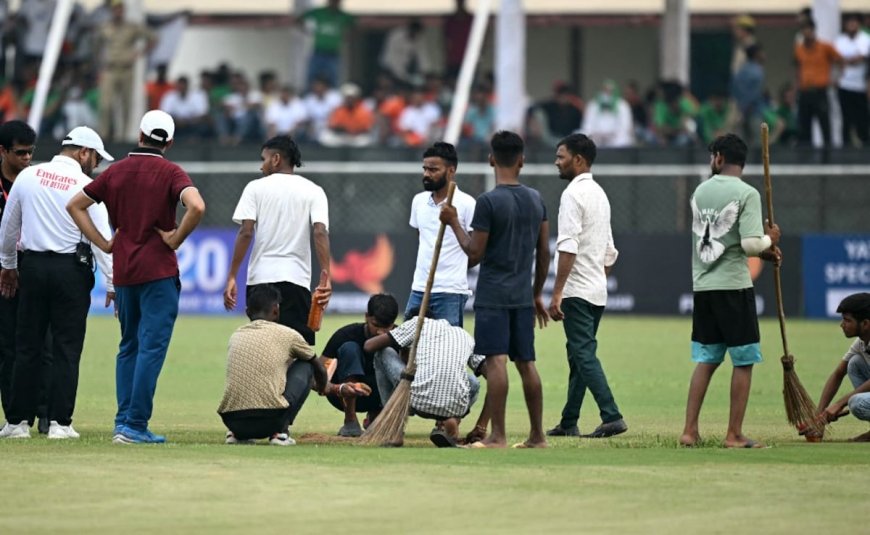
<point>53,280</point>
<point>17,142</point>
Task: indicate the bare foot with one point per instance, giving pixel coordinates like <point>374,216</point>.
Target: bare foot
<point>690,441</point>
<point>861,438</point>
<point>529,444</point>
<point>491,442</point>
<point>743,442</point>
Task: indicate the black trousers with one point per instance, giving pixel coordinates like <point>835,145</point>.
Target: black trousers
<point>856,116</point>
<point>295,305</point>
<point>263,423</point>
<point>54,295</point>
<point>813,103</point>
<point>8,329</point>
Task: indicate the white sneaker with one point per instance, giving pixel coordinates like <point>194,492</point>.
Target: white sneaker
<point>281,439</point>
<point>21,430</point>
<point>231,439</point>
<point>60,432</point>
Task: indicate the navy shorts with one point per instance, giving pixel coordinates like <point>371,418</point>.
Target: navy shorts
<point>505,331</point>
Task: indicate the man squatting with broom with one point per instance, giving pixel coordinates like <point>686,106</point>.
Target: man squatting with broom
<point>726,221</point>
<point>855,310</point>
<point>442,389</point>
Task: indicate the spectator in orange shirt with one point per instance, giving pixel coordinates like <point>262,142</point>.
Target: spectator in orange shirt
<point>350,125</point>
<point>157,88</point>
<point>814,60</point>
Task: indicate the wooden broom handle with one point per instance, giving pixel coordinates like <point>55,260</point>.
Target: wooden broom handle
<point>768,193</point>
<point>424,305</point>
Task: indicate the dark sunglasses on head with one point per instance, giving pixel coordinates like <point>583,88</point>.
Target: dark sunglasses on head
<point>23,152</point>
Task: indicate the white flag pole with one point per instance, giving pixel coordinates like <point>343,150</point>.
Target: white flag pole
<point>53,45</point>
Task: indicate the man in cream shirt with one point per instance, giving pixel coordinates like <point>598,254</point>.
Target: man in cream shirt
<point>586,254</point>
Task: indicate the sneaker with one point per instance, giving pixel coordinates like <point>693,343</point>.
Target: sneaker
<point>60,432</point>
<point>609,429</point>
<point>231,439</point>
<point>559,431</point>
<point>441,439</point>
<point>281,439</point>
<point>21,430</point>
<point>128,435</point>
<point>350,429</point>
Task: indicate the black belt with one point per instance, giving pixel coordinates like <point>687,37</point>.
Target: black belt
<point>46,253</point>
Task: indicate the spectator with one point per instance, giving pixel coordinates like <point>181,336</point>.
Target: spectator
<point>404,54</point>
<point>32,23</point>
<point>120,41</point>
<point>328,26</point>
<point>854,46</point>
<point>747,89</point>
<point>786,112</point>
<point>351,123</point>
<point>608,118</point>
<point>319,104</point>
<point>673,115</point>
<point>814,61</point>
<point>714,117</point>
<point>388,112</point>
<point>242,108</point>
<point>189,110</point>
<point>480,118</point>
<point>743,30</point>
<point>457,27</point>
<point>285,115</point>
<point>76,110</point>
<point>157,88</point>
<point>268,88</point>
<point>639,111</point>
<point>562,114</point>
<point>418,120</point>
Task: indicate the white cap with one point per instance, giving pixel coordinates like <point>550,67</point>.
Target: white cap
<point>157,120</point>
<point>82,136</point>
<point>350,90</point>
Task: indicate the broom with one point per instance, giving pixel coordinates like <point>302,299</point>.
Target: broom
<point>799,407</point>
<point>388,428</point>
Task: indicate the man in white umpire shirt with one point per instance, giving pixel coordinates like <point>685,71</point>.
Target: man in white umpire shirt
<point>54,280</point>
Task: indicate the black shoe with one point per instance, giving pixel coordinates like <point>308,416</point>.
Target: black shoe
<point>43,426</point>
<point>609,429</point>
<point>440,438</point>
<point>558,431</point>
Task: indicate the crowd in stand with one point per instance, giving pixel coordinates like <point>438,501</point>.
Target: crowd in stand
<point>407,105</point>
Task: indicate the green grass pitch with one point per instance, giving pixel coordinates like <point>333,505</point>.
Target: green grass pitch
<point>640,482</point>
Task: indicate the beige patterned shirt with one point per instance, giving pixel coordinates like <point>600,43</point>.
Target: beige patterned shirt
<point>258,356</point>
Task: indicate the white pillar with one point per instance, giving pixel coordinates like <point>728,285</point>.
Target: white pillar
<point>674,51</point>
<point>136,13</point>
<point>826,14</point>
<point>57,30</point>
<point>510,66</point>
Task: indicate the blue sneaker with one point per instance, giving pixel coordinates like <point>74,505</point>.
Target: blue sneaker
<point>128,435</point>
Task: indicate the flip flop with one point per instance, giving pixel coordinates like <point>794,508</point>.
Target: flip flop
<point>476,445</point>
<point>440,438</point>
<point>750,444</point>
<point>524,446</point>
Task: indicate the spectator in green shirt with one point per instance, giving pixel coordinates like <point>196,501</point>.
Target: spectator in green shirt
<point>327,25</point>
<point>673,115</point>
<point>714,117</point>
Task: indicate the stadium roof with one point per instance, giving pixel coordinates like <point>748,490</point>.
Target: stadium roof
<point>542,7</point>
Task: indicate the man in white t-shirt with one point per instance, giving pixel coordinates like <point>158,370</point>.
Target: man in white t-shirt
<point>450,287</point>
<point>855,310</point>
<point>419,119</point>
<point>286,113</point>
<point>319,105</point>
<point>276,212</point>
<point>189,109</point>
<point>854,45</point>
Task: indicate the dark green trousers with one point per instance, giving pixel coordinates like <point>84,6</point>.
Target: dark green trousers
<point>581,325</point>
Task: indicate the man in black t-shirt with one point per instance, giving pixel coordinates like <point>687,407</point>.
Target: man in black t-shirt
<point>354,365</point>
<point>510,232</point>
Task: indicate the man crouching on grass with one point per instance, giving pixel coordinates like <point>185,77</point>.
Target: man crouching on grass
<point>270,368</point>
<point>855,363</point>
<point>442,390</point>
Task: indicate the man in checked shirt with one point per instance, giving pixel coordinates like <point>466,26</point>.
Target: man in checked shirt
<point>443,389</point>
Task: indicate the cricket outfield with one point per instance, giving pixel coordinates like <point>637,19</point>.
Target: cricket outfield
<point>639,482</point>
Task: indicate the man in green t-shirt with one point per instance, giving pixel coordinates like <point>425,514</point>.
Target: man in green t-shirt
<point>727,227</point>
<point>327,25</point>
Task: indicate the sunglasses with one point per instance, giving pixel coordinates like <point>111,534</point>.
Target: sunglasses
<point>23,152</point>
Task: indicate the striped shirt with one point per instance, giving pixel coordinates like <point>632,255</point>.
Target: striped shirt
<point>440,386</point>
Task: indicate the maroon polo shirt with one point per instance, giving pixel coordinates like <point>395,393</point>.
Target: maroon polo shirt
<point>141,192</point>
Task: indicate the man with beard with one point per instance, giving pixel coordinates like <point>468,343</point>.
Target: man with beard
<point>279,212</point>
<point>727,227</point>
<point>586,256</point>
<point>450,288</point>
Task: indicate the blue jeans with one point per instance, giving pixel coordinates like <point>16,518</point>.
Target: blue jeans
<point>325,66</point>
<point>147,313</point>
<point>859,373</point>
<point>353,364</point>
<point>442,306</point>
<point>388,372</point>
